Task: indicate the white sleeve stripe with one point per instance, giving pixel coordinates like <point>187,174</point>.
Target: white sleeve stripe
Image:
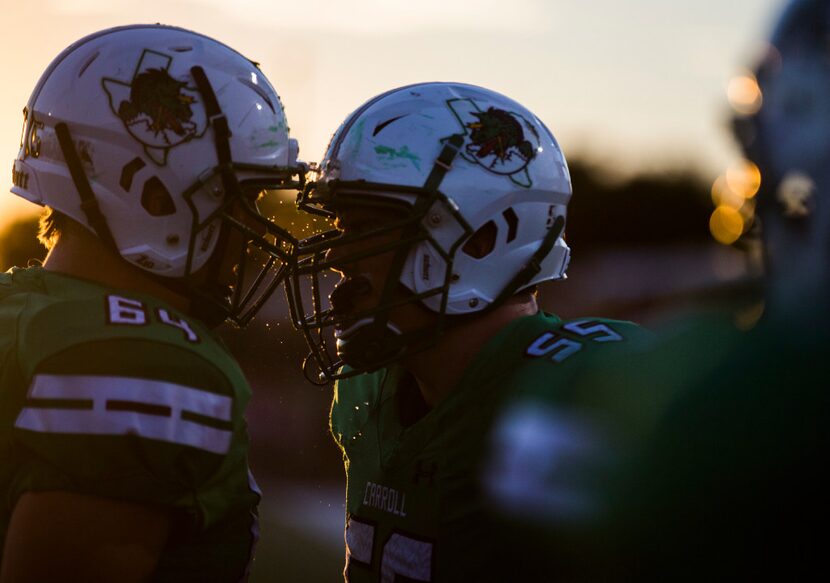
<point>176,427</point>
<point>98,422</point>
<point>101,389</point>
<point>359,541</point>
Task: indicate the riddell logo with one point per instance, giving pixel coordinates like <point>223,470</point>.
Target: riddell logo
<point>208,237</point>
<point>425,267</point>
<point>20,178</point>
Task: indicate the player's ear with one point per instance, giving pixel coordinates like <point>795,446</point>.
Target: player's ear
<point>482,242</point>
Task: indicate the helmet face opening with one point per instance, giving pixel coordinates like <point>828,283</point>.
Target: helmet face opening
<point>354,321</point>
<point>252,256</point>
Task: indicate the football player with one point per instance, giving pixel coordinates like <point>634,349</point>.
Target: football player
<point>122,436</point>
<point>734,468</point>
<point>721,435</point>
<point>450,203</point>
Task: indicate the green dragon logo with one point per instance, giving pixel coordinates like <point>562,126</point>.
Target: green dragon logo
<point>156,109</point>
<point>502,142</point>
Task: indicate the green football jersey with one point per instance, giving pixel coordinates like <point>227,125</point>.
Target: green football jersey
<point>732,475</point>
<point>416,508</point>
<point>114,394</point>
<point>701,458</point>
<point>555,461</point>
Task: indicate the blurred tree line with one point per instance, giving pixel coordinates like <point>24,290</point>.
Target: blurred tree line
<point>667,207</point>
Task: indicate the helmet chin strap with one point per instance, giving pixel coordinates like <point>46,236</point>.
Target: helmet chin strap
<point>369,343</point>
<point>375,341</point>
<point>221,138</point>
<point>89,204</point>
<point>533,266</point>
<point>439,170</point>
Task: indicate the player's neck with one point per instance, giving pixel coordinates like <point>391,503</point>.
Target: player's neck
<point>80,254</point>
<point>439,369</point>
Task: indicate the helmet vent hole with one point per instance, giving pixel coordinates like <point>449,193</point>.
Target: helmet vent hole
<point>181,49</point>
<point>483,241</point>
<point>512,223</point>
<point>383,124</point>
<point>129,171</point>
<point>86,65</point>
<point>155,198</point>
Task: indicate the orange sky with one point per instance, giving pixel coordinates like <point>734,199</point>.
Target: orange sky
<point>638,83</point>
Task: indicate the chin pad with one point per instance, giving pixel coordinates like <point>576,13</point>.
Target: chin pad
<point>369,343</point>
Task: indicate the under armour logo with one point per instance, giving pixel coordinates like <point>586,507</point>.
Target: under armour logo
<point>425,471</point>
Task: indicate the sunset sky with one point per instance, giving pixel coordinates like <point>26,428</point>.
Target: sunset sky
<point>634,83</point>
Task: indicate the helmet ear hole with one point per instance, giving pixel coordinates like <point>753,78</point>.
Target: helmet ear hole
<point>483,241</point>
<point>156,199</point>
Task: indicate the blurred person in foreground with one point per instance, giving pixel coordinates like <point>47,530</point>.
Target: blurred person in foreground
<point>711,454</point>
<point>450,201</point>
<point>123,446</point>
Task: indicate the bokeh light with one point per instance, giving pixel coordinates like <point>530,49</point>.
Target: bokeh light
<point>744,94</point>
<point>726,224</point>
<point>723,195</point>
<point>733,196</point>
<point>744,178</point>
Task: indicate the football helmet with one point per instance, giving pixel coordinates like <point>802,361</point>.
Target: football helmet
<point>454,159</point>
<point>789,140</point>
<point>159,140</point>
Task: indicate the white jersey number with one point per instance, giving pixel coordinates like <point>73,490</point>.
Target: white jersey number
<point>400,555</point>
<point>558,346</point>
<point>128,312</point>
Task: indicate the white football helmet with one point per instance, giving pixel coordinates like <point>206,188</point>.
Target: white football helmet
<point>149,136</point>
<point>457,158</point>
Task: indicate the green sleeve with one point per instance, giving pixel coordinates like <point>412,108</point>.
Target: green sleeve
<point>126,419</point>
<point>353,400</point>
<point>148,409</point>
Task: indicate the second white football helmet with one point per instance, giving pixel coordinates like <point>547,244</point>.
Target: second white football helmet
<point>459,159</point>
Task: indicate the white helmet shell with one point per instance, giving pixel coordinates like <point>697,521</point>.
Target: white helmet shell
<point>509,171</point>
